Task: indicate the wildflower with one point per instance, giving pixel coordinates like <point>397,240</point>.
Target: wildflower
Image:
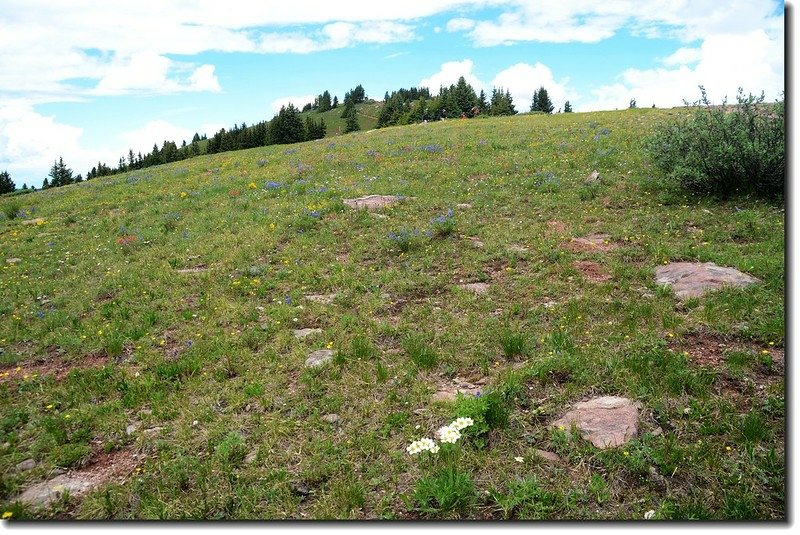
<point>649,514</point>
<point>50,406</point>
<point>449,435</point>
<point>727,448</point>
<point>67,416</point>
<point>329,345</point>
<point>184,195</point>
<point>519,459</point>
<point>252,185</point>
<point>461,423</point>
<point>418,446</point>
<point>7,515</point>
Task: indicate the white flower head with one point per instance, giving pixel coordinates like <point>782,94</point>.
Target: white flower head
<point>449,435</point>
<point>461,423</point>
<point>423,444</point>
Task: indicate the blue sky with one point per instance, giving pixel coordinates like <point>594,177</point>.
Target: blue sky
<point>89,79</point>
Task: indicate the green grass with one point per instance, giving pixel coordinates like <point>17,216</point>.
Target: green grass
<point>189,328</point>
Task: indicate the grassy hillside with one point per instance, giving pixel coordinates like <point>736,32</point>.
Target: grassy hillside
<point>146,332</point>
<point>367,114</point>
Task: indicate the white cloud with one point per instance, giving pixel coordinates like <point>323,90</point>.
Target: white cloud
<point>151,73</point>
<point>449,74</point>
<point>523,79</point>
<point>30,142</point>
<point>557,21</point>
<point>722,64</point>
<point>460,24</point>
<point>298,101</point>
<point>683,56</point>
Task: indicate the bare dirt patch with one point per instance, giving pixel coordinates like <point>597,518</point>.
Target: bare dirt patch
<point>709,349</point>
<point>556,226</point>
<point>448,390</point>
<point>592,270</point>
<point>60,369</point>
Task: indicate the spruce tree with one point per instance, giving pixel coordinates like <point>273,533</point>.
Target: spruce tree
<point>567,107</point>
<point>6,184</point>
<point>287,127</point>
<point>352,121</point>
<point>541,101</point>
<point>483,106</point>
<point>335,102</point>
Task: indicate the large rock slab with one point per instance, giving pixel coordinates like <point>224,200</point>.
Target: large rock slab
<point>44,493</point>
<point>319,358</point>
<point>606,422</point>
<point>478,288</point>
<point>372,202</point>
<point>693,279</point>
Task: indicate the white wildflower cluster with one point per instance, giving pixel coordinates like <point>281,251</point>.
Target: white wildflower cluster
<point>448,434</point>
<point>423,444</point>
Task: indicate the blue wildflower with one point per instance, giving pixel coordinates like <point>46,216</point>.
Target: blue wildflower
<point>287,299</point>
<point>273,185</point>
<point>40,314</point>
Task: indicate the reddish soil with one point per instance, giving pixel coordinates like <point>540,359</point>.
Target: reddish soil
<point>591,243</point>
<point>53,366</point>
<point>592,270</point>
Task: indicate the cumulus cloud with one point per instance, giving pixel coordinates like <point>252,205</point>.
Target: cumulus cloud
<point>450,73</point>
<point>30,142</point>
<point>722,64</point>
<point>152,73</point>
<point>156,132</point>
<point>523,79</point>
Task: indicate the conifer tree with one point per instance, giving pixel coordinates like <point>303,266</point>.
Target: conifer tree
<point>352,121</point>
<point>6,184</point>
<point>541,101</point>
<point>567,107</point>
<point>287,127</point>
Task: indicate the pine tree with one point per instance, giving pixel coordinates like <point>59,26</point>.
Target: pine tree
<point>483,106</point>
<point>632,104</point>
<point>541,101</point>
<point>465,97</point>
<point>352,121</point>
<point>335,102</point>
<point>45,184</point>
<point>567,107</point>
<point>324,102</point>
<point>286,127</point>
<point>6,184</point>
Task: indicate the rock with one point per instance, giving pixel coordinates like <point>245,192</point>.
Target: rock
<point>301,489</point>
<point>449,392</point>
<point>251,457</point>
<point>593,178</point>
<point>131,429</point>
<point>37,221</point>
<point>153,431</point>
<point>13,260</point>
<point>24,466</point>
<point>323,299</point>
<point>606,422</point>
<point>477,288</point>
<point>592,242</point>
<point>197,269</point>
<point>514,248</point>
<point>693,279</point>
<point>372,202</point>
<point>319,358</point>
<point>330,418</point>
<point>478,244</point>
<point>548,456</point>
<point>46,492</point>
<point>464,206</point>
<point>303,333</point>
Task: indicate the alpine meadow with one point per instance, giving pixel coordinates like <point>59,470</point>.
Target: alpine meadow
<point>538,316</point>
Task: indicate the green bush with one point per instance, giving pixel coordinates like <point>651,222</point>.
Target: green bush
<point>725,150</point>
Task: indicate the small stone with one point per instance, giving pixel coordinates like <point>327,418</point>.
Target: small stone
<point>657,431</point>
<point>153,431</point>
<point>13,260</point>
<point>323,299</point>
<point>478,244</point>
<point>593,178</point>
<point>464,206</point>
<point>195,423</point>
<point>251,457</point>
<point>24,466</point>
<point>301,489</point>
<point>131,429</point>
<point>606,422</point>
<point>517,248</point>
<point>548,456</point>
<point>303,333</point>
<point>331,418</point>
<point>477,288</point>
<point>37,221</point>
<point>319,357</point>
